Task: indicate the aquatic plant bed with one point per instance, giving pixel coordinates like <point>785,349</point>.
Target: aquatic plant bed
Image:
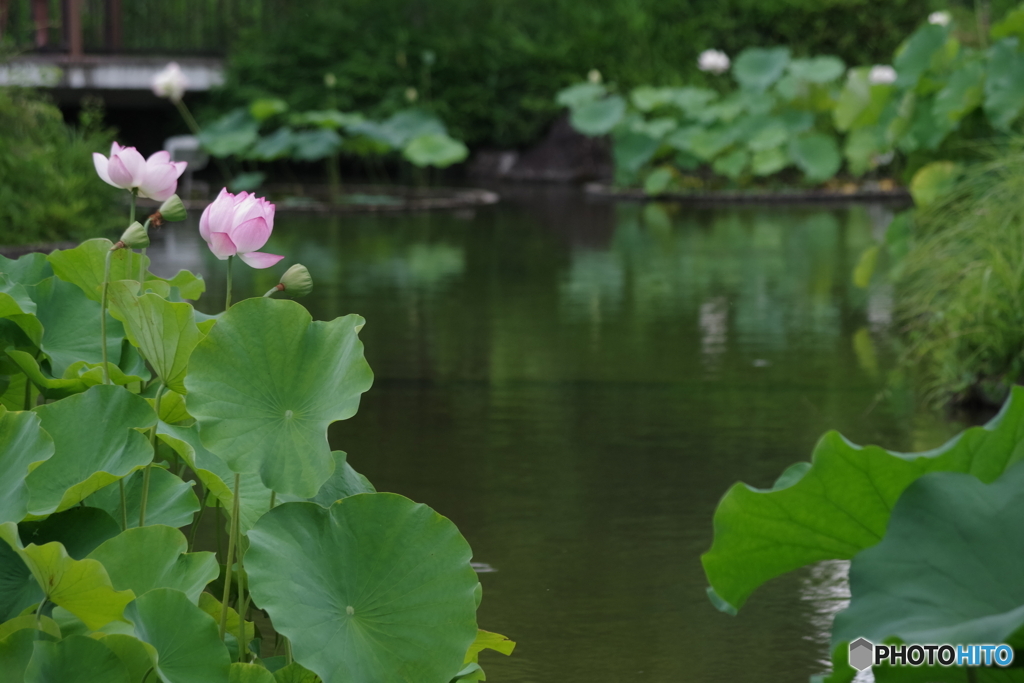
<point>755,196</point>
<point>366,198</point>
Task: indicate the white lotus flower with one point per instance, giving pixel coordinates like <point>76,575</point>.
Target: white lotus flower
<point>594,76</point>
<point>940,18</point>
<point>882,74</point>
<point>170,83</point>
<point>715,61</point>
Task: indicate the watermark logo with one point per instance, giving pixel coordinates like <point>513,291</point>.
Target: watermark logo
<point>864,654</point>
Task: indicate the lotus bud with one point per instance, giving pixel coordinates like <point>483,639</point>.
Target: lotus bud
<point>172,210</point>
<point>296,282</point>
<point>135,237</point>
<point>330,80</point>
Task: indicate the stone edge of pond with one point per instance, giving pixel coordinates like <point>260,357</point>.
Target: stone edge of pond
<point>740,197</point>
<point>413,199</point>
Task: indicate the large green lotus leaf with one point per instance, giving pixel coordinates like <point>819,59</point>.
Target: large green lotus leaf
<point>962,94</point>
<point>85,458</point>
<point>165,332</point>
<point>861,148</point>
<point>632,150</point>
<point>295,673</point>
<point>36,622</point>
<point>1004,84</point>
<point>186,639</point>
<point>771,135</point>
<point>577,95</point>
<point>249,673</point>
<point>217,477</point>
<point>405,125</point>
<point>212,606</point>
<point>80,586</point>
<point>822,69</point>
<point>769,161</point>
<point>926,131</point>
<point>948,568</point>
<point>860,103</point>
<point>817,155</point>
<point>170,501</point>
<point>376,588</point>
<point>133,653</point>
<point>915,55</point>
<point>757,68</point>
<point>732,164</point>
<point>839,504</point>
<point>933,182</point>
<point>71,326</point>
<point>18,306</point>
<point>231,134</point>
<point>83,265</point>
<point>485,640</point>
<point>265,384</point>
<point>79,530</point>
<point>142,559</point>
<point>344,482</point>
<point>313,145</point>
<point>16,652</point>
<point>435,149</point>
<point>29,269</point>
<point>598,117</point>
<point>78,376</point>
<point>275,146</point>
<point>76,659</point>
<point>23,444</point>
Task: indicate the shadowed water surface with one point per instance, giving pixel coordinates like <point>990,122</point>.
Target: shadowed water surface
<point>576,383</point>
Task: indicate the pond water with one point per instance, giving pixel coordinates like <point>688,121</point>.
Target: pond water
<point>577,382</point>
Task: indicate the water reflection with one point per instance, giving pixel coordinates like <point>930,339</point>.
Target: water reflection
<point>576,383</point>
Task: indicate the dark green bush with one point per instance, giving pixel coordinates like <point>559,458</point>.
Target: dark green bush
<point>49,189</point>
<point>497,63</point>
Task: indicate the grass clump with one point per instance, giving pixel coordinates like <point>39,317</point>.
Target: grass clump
<point>960,289</point>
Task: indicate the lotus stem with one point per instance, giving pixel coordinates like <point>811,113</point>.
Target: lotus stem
<point>288,650</point>
<point>39,614</point>
<point>149,467</point>
<point>103,312</point>
<point>273,497</point>
<point>124,505</point>
<point>198,519</point>
<point>131,219</point>
<point>243,607</point>
<point>28,393</point>
<point>227,300</point>
<point>232,539</point>
<point>275,288</point>
<point>142,261</point>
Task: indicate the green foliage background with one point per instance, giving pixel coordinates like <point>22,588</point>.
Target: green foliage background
<point>498,63</point>
<point>48,186</point>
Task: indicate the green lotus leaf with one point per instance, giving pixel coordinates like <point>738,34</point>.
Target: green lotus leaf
<point>772,134</point>
<point>732,164</point>
<point>757,68</point>
<point>29,269</point>
<point>71,326</point>
<point>435,149</point>
<point>632,150</point>
<point>926,131</point>
<point>231,134</point>
<point>18,306</point>
<point>470,672</point>
<point>76,659</point>
<point>1004,84</point>
<point>266,107</point>
<point>30,621</point>
<point>78,376</point>
<point>403,126</point>
<point>87,458</point>
<point>933,182</point>
<point>577,95</point>
<point>249,673</point>
<point>186,639</point>
<point>374,588</point>
<point>80,586</point>
<point>172,407</point>
<point>344,482</point>
<point>16,651</point>
<point>142,559</point>
<point>823,69</point>
<point>769,161</point>
<point>839,504</point>
<point>659,180</point>
<point>313,145</point>
<point>170,501</point>
<point>83,265</point>
<point>295,673</point>
<point>277,145</point>
<point>648,98</point>
<point>914,56</point>
<point>23,445</point>
<point>79,530</point>
<point>948,568</point>
<point>817,155</point>
<point>862,145</point>
<point>860,103</point>
<point>133,653</point>
<point>598,117</point>
<point>485,640</point>
<point>962,94</point>
<point>265,384</point>
<point>212,605</point>
<point>165,332</point>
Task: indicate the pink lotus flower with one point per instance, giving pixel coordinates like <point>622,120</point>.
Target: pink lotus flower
<point>238,225</point>
<point>155,177</point>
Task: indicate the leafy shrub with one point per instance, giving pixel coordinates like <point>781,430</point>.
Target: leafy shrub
<point>489,68</point>
<point>48,188</point>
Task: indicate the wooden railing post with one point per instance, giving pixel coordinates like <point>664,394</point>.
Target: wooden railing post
<point>74,24</point>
